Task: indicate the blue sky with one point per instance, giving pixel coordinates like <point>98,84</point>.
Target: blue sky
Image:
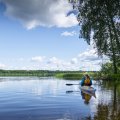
<point>40,35</point>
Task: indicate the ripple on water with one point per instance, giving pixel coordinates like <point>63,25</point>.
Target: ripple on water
<point>46,99</point>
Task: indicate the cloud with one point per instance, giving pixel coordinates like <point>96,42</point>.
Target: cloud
<point>74,61</point>
<point>38,59</point>
<point>87,60</point>
<point>89,55</point>
<point>58,64</point>
<point>66,33</point>
<point>2,66</point>
<point>54,60</point>
<point>48,13</point>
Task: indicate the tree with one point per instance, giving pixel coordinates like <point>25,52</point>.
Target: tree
<point>107,68</point>
<point>102,18</point>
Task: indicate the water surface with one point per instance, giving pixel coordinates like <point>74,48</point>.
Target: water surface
<point>32,98</point>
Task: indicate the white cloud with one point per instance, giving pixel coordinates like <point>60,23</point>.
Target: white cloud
<point>66,33</point>
<point>74,61</point>
<point>54,60</point>
<point>38,59</point>
<point>87,60</point>
<point>46,13</point>
<point>89,55</point>
<point>2,66</point>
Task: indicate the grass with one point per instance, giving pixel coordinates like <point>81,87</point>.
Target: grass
<point>76,76</point>
<point>69,76</point>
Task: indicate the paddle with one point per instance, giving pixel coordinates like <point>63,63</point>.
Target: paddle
<point>72,84</point>
<point>69,84</point>
<point>70,91</point>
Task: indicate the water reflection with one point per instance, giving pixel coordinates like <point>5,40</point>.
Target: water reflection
<point>86,97</point>
<point>46,99</point>
<point>109,110</point>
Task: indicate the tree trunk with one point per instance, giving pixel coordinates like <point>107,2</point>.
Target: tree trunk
<point>113,52</point>
<point>113,25</point>
<point>115,32</point>
<point>110,21</point>
<point>115,107</point>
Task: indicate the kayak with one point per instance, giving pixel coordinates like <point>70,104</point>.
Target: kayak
<point>88,89</point>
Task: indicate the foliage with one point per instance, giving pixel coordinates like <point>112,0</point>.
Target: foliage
<point>107,68</point>
<point>107,72</point>
<point>100,19</point>
<point>114,77</point>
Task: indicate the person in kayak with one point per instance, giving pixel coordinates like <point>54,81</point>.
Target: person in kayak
<point>86,81</point>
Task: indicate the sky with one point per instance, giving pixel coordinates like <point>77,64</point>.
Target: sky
<point>43,35</point>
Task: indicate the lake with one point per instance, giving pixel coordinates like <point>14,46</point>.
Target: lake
<point>33,98</point>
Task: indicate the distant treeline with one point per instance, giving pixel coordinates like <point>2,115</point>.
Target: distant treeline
<point>39,73</point>
<point>70,75</point>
